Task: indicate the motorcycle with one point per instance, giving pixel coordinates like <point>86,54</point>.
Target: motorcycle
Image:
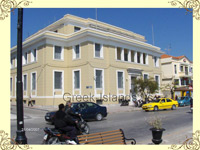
<point>56,136</point>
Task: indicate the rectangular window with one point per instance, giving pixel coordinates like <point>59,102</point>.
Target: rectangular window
<point>11,86</point>
<point>98,50</point>
<point>11,62</point>
<point>146,76</point>
<point>144,58</point>
<point>58,52</point>
<point>157,80</point>
<point>119,53</point>
<point>182,81</point>
<point>76,52</point>
<point>77,79</point>
<point>120,79</point>
<point>34,55</point>
<point>186,70</point>
<point>176,81</point>
<point>175,69</point>
<point>181,68</point>
<point>76,29</point>
<point>138,57</point>
<point>99,79</point>
<point>156,61</point>
<point>15,62</point>
<point>125,55</point>
<point>25,82</point>
<point>33,81</point>
<point>25,56</point>
<point>57,80</point>
<point>132,56</point>
<point>191,69</point>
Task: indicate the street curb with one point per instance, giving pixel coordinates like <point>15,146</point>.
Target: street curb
<point>34,108</point>
<point>111,112</point>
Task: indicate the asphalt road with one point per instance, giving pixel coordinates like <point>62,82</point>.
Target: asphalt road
<point>178,125</point>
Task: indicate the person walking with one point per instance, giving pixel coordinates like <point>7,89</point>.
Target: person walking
<point>30,101</point>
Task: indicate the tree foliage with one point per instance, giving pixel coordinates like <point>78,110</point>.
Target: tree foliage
<point>145,87</point>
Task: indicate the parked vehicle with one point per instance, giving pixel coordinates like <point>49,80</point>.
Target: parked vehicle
<point>184,101</point>
<point>88,111</point>
<point>55,136</point>
<point>191,104</point>
<point>161,103</point>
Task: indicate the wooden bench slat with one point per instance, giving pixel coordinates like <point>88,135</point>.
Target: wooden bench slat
<point>116,142</point>
<point>108,137</point>
<point>109,143</point>
<point>99,133</point>
<point>101,139</point>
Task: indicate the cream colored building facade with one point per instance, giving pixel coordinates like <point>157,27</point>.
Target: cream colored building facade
<point>83,57</point>
<point>177,71</point>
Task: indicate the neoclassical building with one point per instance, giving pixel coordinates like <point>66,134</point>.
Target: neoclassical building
<point>178,72</point>
<point>84,58</point>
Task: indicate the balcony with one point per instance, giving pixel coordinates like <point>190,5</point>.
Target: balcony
<point>185,74</point>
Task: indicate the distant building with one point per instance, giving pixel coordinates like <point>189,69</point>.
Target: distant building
<point>83,57</point>
<point>177,72</point>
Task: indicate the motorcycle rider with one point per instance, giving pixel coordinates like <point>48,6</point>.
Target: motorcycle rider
<point>73,116</point>
<point>65,123</point>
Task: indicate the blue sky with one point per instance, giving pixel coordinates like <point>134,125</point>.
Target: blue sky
<point>173,28</point>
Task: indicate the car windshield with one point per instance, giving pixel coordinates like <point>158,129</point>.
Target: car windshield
<point>156,101</point>
<point>181,98</point>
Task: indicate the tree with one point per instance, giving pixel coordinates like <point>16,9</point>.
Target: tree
<point>145,87</point>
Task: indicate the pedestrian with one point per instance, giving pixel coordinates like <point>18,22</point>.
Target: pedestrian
<point>30,101</point>
<point>176,98</point>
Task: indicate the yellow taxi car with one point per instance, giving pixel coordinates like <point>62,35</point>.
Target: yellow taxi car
<point>162,103</point>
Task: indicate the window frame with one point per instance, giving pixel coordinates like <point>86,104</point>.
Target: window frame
<point>158,79</point>
<point>101,50</point>
<point>175,69</point>
<point>62,82</point>
<point>74,52</point>
<point>34,59</point>
<point>62,53</point>
<point>156,63</point>
<point>26,82</point>
<point>146,74</point>
<point>73,81</point>
<point>123,84</point>
<point>102,73</point>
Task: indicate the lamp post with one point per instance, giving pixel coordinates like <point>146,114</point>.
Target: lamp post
<point>21,137</point>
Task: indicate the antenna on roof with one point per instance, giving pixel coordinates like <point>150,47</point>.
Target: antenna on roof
<point>153,35</point>
<point>168,49</point>
<point>96,18</point>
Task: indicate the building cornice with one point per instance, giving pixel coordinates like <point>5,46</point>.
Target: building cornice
<point>86,33</point>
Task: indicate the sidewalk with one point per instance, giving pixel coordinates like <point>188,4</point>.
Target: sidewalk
<point>111,108</point>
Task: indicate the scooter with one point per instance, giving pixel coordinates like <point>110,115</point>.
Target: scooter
<point>55,136</point>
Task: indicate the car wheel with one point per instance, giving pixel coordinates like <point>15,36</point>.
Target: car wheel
<point>87,129</point>
<point>173,107</point>
<point>146,110</point>
<point>99,117</point>
<point>156,108</point>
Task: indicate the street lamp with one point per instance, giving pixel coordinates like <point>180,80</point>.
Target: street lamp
<point>21,137</point>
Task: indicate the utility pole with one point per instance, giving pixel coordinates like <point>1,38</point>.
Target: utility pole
<point>21,137</point>
<point>153,35</point>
